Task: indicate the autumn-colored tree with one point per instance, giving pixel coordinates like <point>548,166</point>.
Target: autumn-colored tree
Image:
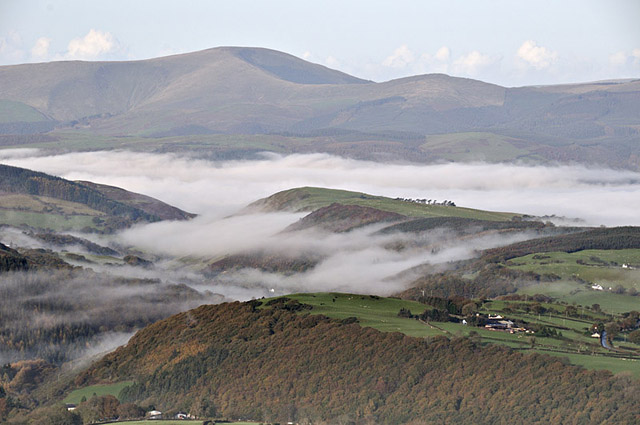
<point>271,363</point>
<point>130,411</point>
<point>55,415</point>
<point>99,409</point>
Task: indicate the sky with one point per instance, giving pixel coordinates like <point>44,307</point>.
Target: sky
<point>507,42</point>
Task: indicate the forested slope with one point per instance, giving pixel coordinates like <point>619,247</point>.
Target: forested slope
<point>626,237</point>
<point>236,360</point>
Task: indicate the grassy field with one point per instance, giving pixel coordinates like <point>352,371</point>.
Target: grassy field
<point>174,422</point>
<point>35,203</point>
<point>312,198</point>
<point>45,212</point>
<point>574,292</point>
<point>11,111</point>
<point>579,270</point>
<point>599,362</point>
<point>45,220</point>
<point>382,314</point>
<point>110,389</point>
<point>375,312</point>
<point>602,267</point>
<point>79,141</point>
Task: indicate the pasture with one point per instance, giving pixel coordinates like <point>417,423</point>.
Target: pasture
<point>76,396</point>
<point>382,314</point>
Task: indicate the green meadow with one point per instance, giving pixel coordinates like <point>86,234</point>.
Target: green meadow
<point>312,198</point>
<point>75,397</point>
<point>575,344</point>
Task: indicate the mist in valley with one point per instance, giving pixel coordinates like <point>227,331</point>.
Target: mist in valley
<point>221,188</point>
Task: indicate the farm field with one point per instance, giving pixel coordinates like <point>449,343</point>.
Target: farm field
<point>172,422</point>
<point>574,292</point>
<point>110,389</point>
<point>474,146</point>
<point>382,314</point>
<point>46,220</point>
<point>372,311</point>
<point>603,267</point>
<point>578,271</point>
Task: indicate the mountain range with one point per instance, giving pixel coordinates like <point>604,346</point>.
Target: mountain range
<point>235,102</point>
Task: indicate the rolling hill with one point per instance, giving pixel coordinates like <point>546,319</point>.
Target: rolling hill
<point>43,201</point>
<point>233,102</point>
<point>310,199</point>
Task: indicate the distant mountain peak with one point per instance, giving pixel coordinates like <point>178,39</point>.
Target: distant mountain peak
<point>291,68</point>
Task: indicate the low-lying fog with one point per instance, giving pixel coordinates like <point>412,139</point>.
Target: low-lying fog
<point>597,195</point>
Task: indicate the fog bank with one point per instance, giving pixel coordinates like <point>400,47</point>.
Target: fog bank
<point>598,195</point>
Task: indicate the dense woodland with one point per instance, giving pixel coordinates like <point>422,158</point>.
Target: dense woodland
<point>466,226</point>
<point>602,238</point>
<point>11,260</point>
<point>269,364</point>
<point>265,261</point>
<point>274,362</point>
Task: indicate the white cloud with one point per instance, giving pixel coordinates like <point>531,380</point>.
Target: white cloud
<point>623,59</point>
<point>617,59</point>
<point>443,54</point>
<point>307,55</point>
<point>92,45</point>
<point>400,58</point>
<point>471,63</point>
<point>332,62</point>
<point>11,48</point>
<point>536,56</point>
<point>40,50</point>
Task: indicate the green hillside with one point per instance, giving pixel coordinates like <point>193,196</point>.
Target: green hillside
<point>609,278</point>
<point>343,218</point>
<point>87,392</point>
<point>313,198</point>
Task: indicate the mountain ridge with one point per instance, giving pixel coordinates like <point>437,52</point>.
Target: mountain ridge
<point>229,93</point>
